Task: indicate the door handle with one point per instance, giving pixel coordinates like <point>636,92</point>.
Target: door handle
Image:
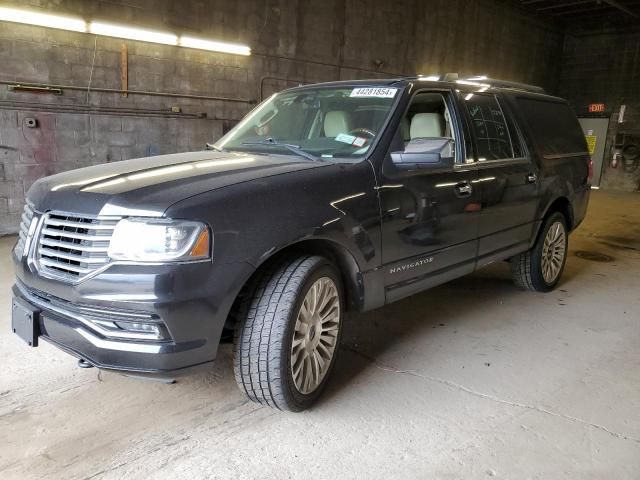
<point>463,189</point>
<point>532,178</point>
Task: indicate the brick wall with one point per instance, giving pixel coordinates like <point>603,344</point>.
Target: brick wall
<point>604,67</point>
<point>292,41</point>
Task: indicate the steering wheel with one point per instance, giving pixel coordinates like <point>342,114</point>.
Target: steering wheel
<point>370,133</point>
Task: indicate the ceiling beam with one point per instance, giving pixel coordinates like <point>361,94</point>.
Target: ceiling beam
<point>617,5</point>
<point>578,11</point>
<point>563,5</point>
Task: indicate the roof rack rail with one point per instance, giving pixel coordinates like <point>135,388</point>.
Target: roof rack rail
<point>483,79</point>
<point>514,85</point>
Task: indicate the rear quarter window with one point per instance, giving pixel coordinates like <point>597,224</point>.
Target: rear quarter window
<point>554,126</point>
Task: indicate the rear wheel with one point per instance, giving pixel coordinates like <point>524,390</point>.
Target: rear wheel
<point>289,333</point>
<point>540,268</point>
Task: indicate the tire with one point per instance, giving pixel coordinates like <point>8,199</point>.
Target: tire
<point>530,270</point>
<point>272,317</point>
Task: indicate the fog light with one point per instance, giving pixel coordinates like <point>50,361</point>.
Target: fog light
<point>150,330</point>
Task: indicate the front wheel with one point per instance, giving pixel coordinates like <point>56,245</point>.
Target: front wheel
<point>289,333</point>
<point>540,268</point>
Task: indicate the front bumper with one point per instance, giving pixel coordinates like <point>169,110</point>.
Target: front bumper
<point>190,301</point>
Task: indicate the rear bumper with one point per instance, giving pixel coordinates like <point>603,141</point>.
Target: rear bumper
<point>580,204</point>
<point>182,299</point>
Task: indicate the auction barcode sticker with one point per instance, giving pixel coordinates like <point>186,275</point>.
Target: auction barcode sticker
<point>379,92</point>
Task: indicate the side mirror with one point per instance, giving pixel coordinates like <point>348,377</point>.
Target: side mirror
<point>432,153</point>
<point>421,161</point>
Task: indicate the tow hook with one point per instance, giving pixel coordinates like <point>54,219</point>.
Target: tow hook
<point>82,363</point>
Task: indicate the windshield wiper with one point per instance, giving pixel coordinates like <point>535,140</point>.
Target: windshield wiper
<point>293,148</point>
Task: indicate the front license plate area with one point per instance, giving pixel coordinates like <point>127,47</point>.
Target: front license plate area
<point>24,321</point>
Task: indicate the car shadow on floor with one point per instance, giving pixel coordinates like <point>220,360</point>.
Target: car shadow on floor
<point>367,336</point>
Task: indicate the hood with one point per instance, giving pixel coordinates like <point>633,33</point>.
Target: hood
<point>148,186</point>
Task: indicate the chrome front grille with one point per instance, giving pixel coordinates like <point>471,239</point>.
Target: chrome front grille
<point>25,223</point>
<point>71,247</point>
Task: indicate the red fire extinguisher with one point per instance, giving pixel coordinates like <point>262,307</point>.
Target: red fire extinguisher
<point>615,159</point>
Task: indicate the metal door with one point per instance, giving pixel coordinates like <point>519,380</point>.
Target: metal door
<point>595,131</point>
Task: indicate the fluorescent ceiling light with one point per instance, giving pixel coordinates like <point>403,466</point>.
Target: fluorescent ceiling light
<point>43,19</point>
<point>200,44</point>
<point>120,31</point>
<point>76,24</point>
<point>469,96</point>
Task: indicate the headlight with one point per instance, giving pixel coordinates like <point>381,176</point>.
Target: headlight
<point>150,240</point>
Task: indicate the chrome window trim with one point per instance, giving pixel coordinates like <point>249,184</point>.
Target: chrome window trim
<point>501,162</point>
<point>557,156</point>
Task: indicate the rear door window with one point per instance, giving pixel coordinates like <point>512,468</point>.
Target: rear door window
<point>489,127</point>
<point>514,135</point>
<point>554,126</point>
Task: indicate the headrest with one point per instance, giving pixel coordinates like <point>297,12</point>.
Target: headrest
<point>335,123</point>
<point>427,125</point>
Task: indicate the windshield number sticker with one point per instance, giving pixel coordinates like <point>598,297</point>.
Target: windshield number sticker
<point>351,140</point>
<point>376,92</point>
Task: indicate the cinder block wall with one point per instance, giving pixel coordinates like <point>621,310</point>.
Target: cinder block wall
<point>293,41</point>
<point>604,67</point>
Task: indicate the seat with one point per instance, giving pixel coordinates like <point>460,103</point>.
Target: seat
<point>405,129</point>
<point>336,122</point>
<point>427,125</point>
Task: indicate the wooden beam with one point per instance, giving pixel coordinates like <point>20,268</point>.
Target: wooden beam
<point>124,69</point>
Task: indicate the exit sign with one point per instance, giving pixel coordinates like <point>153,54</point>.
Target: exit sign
<point>596,107</point>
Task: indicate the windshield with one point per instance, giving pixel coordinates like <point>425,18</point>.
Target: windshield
<point>323,122</point>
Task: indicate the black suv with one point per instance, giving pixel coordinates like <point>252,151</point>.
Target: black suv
<point>324,199</point>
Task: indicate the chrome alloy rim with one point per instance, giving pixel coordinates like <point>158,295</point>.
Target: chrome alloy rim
<point>553,251</point>
<point>316,335</point>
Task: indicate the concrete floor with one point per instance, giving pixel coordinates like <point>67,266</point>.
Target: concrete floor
<point>472,380</point>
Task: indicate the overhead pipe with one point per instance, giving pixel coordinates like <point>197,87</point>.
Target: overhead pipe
<point>90,109</point>
<point>129,92</point>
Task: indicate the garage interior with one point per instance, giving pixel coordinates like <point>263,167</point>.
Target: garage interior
<point>472,379</point>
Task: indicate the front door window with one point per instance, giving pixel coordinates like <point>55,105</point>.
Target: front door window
<point>427,126</point>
